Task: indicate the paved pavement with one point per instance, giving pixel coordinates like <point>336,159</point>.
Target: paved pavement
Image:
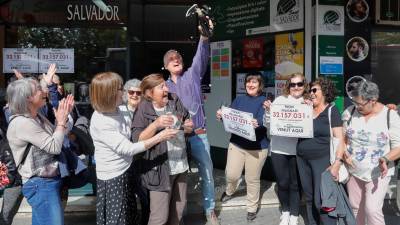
<point>80,210</point>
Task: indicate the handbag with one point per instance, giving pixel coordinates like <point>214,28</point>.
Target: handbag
<point>334,142</point>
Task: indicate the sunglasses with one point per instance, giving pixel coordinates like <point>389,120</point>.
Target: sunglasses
<point>134,92</point>
<point>313,90</point>
<point>299,84</point>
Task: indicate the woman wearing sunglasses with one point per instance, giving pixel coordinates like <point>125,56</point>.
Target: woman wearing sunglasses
<point>283,152</point>
<point>313,154</point>
<point>372,136</point>
<point>132,95</point>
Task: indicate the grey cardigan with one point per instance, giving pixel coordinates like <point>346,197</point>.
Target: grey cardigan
<point>334,195</point>
<point>46,145</point>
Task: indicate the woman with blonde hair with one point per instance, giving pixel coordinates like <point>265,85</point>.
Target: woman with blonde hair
<point>111,132</point>
<point>164,168</point>
<point>283,152</point>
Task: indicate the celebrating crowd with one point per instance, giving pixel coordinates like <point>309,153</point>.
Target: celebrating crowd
<point>144,133</point>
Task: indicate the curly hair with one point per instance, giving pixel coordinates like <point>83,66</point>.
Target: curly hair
<point>327,87</point>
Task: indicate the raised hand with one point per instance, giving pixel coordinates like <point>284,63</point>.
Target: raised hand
<point>48,77</point>
<point>188,126</point>
<point>18,74</point>
<point>267,104</point>
<point>62,112</point>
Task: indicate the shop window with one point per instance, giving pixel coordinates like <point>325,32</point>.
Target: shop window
<point>385,49</point>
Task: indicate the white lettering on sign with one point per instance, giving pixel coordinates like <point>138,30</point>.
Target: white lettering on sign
<point>91,13</point>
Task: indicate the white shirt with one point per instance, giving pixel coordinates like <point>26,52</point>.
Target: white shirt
<point>279,144</point>
<point>114,151</point>
<point>369,140</point>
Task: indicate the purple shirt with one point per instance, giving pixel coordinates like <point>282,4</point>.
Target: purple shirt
<point>188,85</point>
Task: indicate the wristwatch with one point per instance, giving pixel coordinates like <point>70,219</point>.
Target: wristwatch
<point>384,158</point>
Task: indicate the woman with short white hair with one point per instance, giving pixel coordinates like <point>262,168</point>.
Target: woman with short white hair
<point>372,136</point>
<point>132,94</point>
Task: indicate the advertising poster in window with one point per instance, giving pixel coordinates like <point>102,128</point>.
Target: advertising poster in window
<point>25,60</point>
<point>221,59</point>
<point>253,53</point>
<point>289,58</point>
<point>63,58</point>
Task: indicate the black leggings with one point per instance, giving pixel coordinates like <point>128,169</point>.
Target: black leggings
<point>285,168</point>
<point>310,171</point>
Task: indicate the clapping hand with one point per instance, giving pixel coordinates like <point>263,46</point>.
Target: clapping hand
<point>18,74</point>
<point>65,107</point>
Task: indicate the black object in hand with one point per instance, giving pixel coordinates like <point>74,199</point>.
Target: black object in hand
<point>202,13</point>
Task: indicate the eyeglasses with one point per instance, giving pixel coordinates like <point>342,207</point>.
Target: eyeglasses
<point>359,104</point>
<point>299,84</point>
<point>313,90</point>
<point>131,92</point>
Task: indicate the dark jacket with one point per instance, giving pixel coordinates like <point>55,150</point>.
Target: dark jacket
<point>333,195</point>
<point>153,165</point>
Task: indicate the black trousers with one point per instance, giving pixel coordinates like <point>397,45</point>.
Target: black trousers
<point>285,168</point>
<point>310,171</point>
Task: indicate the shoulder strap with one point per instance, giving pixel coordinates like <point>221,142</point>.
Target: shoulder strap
<point>351,115</point>
<point>28,147</point>
<point>329,118</point>
<point>388,118</point>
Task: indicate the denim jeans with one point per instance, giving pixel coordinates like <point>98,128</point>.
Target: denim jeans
<point>43,195</point>
<point>200,150</point>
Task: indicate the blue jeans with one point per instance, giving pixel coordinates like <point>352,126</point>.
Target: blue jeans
<point>43,195</point>
<point>200,150</point>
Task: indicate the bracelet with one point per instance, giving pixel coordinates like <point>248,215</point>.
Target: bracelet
<point>385,159</point>
<point>339,159</point>
<point>62,125</point>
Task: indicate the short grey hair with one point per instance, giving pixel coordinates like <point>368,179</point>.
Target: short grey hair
<point>365,89</point>
<point>166,55</point>
<point>18,93</point>
<point>132,83</point>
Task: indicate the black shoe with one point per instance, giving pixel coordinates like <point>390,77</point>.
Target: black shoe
<point>251,216</point>
<point>225,197</point>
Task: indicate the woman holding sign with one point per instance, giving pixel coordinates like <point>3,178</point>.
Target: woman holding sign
<point>243,153</point>
<point>313,154</point>
<point>283,152</point>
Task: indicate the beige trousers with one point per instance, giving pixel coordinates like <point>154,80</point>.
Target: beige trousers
<point>167,207</point>
<point>252,161</point>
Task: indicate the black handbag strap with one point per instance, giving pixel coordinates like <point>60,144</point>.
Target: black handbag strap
<point>28,147</point>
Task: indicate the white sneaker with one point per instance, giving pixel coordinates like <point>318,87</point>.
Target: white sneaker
<point>293,220</point>
<point>285,218</point>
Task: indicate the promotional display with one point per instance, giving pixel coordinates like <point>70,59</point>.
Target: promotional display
<point>221,59</point>
<point>291,120</point>
<point>24,60</point>
<point>63,58</point>
<point>289,58</point>
<point>238,122</point>
<point>330,20</point>
<point>253,53</point>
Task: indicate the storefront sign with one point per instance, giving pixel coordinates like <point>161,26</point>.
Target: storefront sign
<point>91,12</point>
<point>331,20</point>
<point>63,58</point>
<point>330,65</point>
<point>24,60</point>
<point>239,18</point>
<point>70,12</point>
<point>286,15</point>
<point>292,120</point>
<point>238,122</point>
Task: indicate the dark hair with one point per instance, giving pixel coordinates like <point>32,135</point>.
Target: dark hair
<point>255,75</point>
<point>359,42</point>
<point>327,87</point>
